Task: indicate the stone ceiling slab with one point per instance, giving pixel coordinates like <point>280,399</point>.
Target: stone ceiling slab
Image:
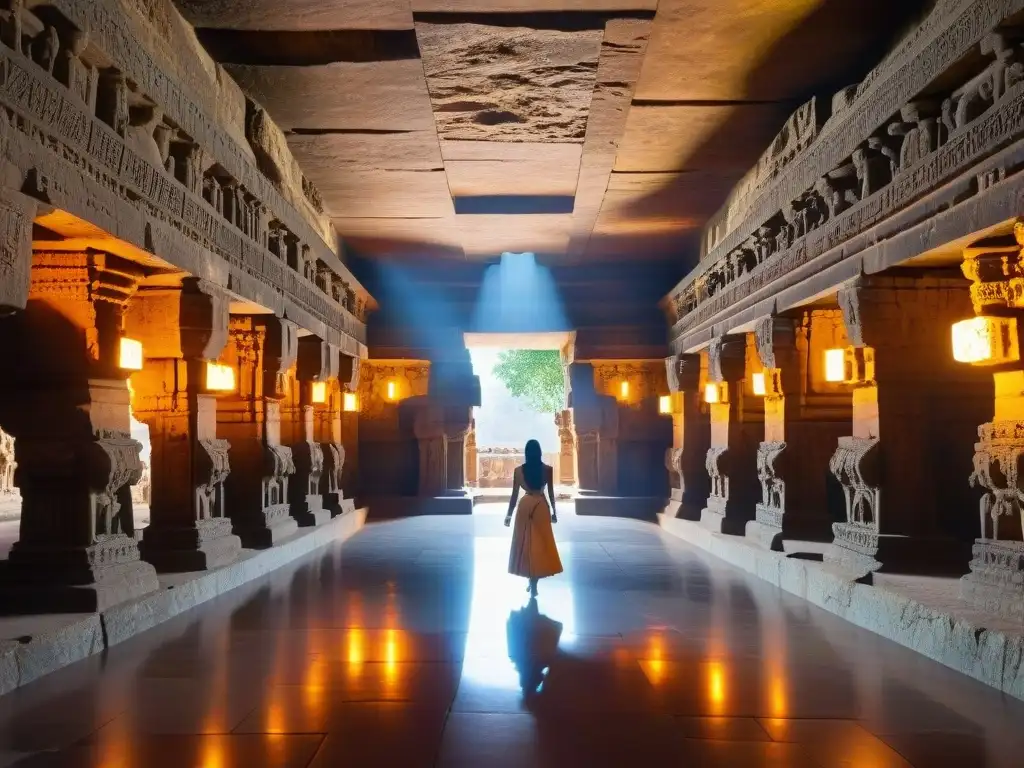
<point>765,49</point>
<point>677,138</point>
<point>492,83</point>
<point>402,238</point>
<point>505,168</point>
<point>530,6</point>
<point>381,95</point>
<point>298,15</point>
<point>368,150</point>
<point>383,194</point>
<point>487,236</point>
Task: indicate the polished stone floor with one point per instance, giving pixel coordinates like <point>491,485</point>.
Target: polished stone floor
<point>408,646</point>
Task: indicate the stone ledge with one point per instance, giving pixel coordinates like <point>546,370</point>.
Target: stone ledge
<point>33,646</point>
<point>631,507</point>
<point>394,507</point>
<point>925,615</point>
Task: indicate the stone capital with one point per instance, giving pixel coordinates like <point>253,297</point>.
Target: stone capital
<point>317,360</point>
<point>727,358</point>
<point>683,372</point>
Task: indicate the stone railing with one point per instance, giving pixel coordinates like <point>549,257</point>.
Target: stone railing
<point>495,466</point>
<point>126,149</point>
<point>889,141</point>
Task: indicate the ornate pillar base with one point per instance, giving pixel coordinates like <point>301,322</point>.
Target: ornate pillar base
<point>207,544</point>
<point>306,501</point>
<point>87,580</point>
<point>859,547</point>
<point>257,492</point>
<point>334,500</point>
<point>996,580</point>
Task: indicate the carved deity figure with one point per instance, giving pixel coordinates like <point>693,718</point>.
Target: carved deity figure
<point>717,465</point>
<point>855,466</point>
<point>191,174</point>
<point>920,131</point>
<point>278,465</point>
<point>1000,449</point>
<point>872,168</point>
<point>162,134</point>
<point>112,101</point>
<point>45,48</point>
<point>79,77</point>
<point>141,134</point>
<point>12,26</point>
<point>7,464</point>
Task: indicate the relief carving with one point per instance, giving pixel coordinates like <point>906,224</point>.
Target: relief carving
<point>278,466</point>
<point>998,456</point>
<point>717,465</point>
<point>212,469</point>
<point>856,465</point>
<point>771,474</point>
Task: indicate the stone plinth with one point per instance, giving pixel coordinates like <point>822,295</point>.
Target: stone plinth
<point>996,580</point>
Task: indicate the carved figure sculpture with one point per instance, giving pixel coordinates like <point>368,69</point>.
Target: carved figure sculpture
<point>113,466</point>
<point>162,136</point>
<point>717,465</point>
<point>855,464</point>
<point>112,101</point>
<point>277,467</point>
<point>998,456</point>
<point>872,168</point>
<point>12,26</point>
<point>773,487</point>
<point>192,172</point>
<point>7,464</point>
<point>673,463</point>
<point>45,48</point>
<point>212,469</point>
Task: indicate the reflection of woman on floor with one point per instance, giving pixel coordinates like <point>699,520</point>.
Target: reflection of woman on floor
<point>532,646</point>
<point>534,554</point>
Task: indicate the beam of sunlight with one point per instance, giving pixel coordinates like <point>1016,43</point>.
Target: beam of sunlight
<point>495,595</point>
<point>519,295</point>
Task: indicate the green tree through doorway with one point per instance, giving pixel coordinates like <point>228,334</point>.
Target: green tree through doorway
<point>536,375</point>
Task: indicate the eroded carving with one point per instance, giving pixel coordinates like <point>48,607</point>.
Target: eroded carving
<point>856,465</point>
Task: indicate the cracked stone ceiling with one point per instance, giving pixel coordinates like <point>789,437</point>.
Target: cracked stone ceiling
<point>582,130</point>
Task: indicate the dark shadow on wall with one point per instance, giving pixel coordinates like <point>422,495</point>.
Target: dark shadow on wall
<point>834,47</point>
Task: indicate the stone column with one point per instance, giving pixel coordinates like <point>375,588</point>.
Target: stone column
<point>596,418</point>
<point>566,448</point>
<point>65,400</point>
<point>446,418</point>
<point>691,437</point>
<point>261,349</point>
<point>472,471</point>
<point>732,458</point>
<point>996,578</point>
<point>317,364</point>
<point>803,420</point>
<point>181,329</point>
<point>914,412</point>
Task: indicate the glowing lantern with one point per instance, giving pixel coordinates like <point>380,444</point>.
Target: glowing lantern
<point>349,402</point>
<point>710,392</point>
<point>220,378</point>
<point>130,354</point>
<point>319,392</point>
<point>624,390</point>
<point>391,390</point>
<point>986,340</point>
<point>759,384</point>
<point>665,404</point>
<point>835,365</point>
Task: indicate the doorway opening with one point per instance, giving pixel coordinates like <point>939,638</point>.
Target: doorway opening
<point>523,389</point>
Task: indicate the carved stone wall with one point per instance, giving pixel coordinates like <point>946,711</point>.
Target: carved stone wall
<point>130,151</point>
<point>885,146</point>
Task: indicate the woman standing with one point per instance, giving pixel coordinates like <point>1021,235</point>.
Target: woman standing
<point>534,554</point>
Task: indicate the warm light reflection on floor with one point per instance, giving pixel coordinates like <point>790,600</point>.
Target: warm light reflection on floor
<point>716,687</point>
<point>495,595</point>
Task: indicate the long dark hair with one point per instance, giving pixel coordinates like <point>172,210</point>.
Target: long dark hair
<point>533,467</point>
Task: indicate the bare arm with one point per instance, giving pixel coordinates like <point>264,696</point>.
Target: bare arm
<point>515,496</point>
<point>551,494</point>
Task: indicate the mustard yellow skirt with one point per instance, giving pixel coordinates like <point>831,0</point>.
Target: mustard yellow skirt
<point>534,554</point>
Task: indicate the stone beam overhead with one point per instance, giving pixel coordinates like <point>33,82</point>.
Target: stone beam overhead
<point>303,15</point>
<point>829,191</point>
<point>148,138</point>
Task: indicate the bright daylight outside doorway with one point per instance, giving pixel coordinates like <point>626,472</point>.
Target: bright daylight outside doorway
<point>522,397</point>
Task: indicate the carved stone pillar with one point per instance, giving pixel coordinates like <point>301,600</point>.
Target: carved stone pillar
<point>775,341</point>
<point>732,458</point>
<point>996,578</point>
<point>442,425</point>
<point>262,349</point>
<point>596,418</point>
<point>181,330</point>
<point>691,438</point>
<point>472,471</point>
<point>65,400</point>
<point>566,448</point>
<point>316,368</point>
<point>16,213</point>
<point>914,412</point>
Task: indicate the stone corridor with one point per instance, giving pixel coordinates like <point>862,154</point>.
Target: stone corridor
<point>392,649</point>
